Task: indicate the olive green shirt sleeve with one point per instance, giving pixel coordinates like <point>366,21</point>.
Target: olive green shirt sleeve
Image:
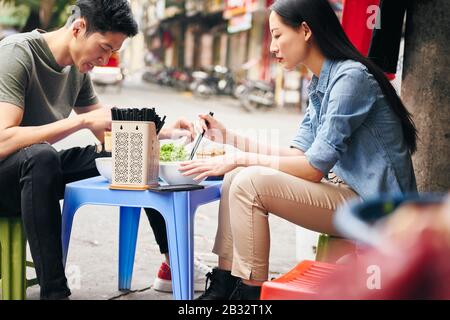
<point>15,70</point>
<point>87,96</point>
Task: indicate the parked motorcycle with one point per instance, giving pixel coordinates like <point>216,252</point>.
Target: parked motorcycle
<point>182,78</point>
<point>151,73</point>
<point>254,95</point>
<point>199,84</point>
<point>166,78</point>
<point>218,80</point>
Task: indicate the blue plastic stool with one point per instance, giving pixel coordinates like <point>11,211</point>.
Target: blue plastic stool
<point>177,208</point>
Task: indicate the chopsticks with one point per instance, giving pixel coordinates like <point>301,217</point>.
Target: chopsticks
<point>135,114</point>
<point>199,138</point>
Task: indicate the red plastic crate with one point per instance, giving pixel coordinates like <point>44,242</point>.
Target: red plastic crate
<point>300,283</point>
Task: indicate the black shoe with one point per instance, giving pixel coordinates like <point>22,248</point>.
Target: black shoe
<point>221,286</point>
<point>245,292</point>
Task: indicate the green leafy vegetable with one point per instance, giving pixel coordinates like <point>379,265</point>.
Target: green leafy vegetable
<point>170,152</point>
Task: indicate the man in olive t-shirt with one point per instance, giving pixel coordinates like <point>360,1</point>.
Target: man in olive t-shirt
<point>51,91</point>
<point>43,77</point>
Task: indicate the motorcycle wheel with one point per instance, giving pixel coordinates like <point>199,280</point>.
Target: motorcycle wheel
<point>203,91</point>
<point>248,105</point>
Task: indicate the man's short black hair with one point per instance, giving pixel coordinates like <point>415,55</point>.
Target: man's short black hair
<point>107,16</point>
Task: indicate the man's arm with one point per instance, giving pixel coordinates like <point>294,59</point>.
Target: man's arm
<point>13,137</point>
<point>99,132</point>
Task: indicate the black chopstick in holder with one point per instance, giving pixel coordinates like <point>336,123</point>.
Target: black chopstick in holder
<point>135,114</point>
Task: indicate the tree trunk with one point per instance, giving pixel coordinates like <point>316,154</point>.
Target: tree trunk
<point>426,89</point>
<point>45,12</point>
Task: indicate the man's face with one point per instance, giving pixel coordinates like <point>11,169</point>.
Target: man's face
<point>94,49</point>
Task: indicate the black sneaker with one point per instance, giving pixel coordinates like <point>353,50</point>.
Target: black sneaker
<point>245,292</point>
<point>221,286</point>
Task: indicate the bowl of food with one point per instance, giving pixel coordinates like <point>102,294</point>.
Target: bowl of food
<point>104,167</point>
<point>210,152</point>
<point>170,173</point>
<point>169,164</point>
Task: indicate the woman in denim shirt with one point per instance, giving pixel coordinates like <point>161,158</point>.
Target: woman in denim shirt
<point>356,126</point>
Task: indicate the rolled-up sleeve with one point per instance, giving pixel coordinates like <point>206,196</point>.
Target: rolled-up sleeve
<point>351,97</point>
<point>304,137</point>
<point>15,66</point>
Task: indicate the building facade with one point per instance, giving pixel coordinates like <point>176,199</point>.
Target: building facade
<point>197,34</point>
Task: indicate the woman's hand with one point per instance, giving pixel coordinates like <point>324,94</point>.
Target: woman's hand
<point>181,128</point>
<point>215,166</point>
<point>215,130</point>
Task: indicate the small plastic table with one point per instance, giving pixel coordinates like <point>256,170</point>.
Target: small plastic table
<point>177,208</point>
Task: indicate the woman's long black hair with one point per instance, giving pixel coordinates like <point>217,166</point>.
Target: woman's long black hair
<point>335,45</point>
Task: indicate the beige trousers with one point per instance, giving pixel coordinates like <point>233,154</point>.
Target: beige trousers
<point>249,194</point>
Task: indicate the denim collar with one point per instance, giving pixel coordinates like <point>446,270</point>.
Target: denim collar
<point>320,84</point>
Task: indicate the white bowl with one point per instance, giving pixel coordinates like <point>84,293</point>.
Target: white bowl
<point>104,167</point>
<point>169,172</point>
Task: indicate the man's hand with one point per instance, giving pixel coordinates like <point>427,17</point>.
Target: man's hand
<point>98,121</point>
<point>181,128</point>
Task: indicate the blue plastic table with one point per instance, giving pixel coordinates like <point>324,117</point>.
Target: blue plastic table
<point>177,208</point>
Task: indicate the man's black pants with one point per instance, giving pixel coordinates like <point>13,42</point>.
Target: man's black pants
<point>32,181</point>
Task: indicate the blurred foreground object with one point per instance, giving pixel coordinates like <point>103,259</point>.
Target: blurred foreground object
<point>411,260</point>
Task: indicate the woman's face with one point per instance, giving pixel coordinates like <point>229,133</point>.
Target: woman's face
<point>290,46</point>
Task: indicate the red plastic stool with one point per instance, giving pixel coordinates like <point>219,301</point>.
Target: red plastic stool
<point>301,283</point>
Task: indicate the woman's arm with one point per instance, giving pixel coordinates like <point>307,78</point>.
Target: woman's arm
<point>217,132</point>
<point>246,144</point>
<point>297,166</point>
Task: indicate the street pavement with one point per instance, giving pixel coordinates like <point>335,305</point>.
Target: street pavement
<point>92,264</point>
